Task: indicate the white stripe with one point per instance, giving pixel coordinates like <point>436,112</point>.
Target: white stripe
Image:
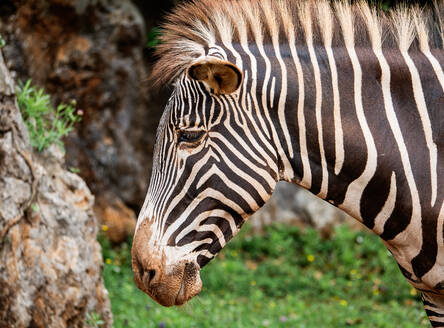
<point>434,276</point>
<point>256,185</point>
<point>339,135</point>
<point>306,172</point>
<point>415,223</point>
<point>288,171</point>
<point>354,192</point>
<point>244,159</point>
<point>318,110</point>
<point>175,254</point>
<point>440,75</point>
<point>272,164</point>
<point>273,86</point>
<point>388,207</point>
<point>216,194</point>
<point>214,170</point>
<point>202,217</point>
<point>425,120</point>
<point>253,91</point>
<point>238,138</point>
<point>179,196</point>
<point>252,94</point>
<point>281,104</point>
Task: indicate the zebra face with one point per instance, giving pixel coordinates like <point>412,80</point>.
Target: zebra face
<point>207,178</point>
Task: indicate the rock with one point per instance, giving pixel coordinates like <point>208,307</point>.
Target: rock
<point>50,261</point>
<point>117,220</point>
<point>91,51</point>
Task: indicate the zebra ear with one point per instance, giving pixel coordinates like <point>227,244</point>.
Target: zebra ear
<point>221,76</point>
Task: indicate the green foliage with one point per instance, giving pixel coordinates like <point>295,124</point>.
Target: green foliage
<point>2,42</point>
<point>45,124</point>
<point>153,38</point>
<point>93,320</point>
<point>75,170</point>
<point>283,278</point>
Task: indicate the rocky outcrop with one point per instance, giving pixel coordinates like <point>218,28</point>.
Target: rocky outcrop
<point>91,51</point>
<point>117,221</point>
<point>50,261</point>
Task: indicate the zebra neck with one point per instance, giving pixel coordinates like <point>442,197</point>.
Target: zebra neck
<point>345,134</point>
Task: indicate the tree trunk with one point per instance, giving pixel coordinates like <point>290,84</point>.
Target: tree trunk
<point>50,261</point>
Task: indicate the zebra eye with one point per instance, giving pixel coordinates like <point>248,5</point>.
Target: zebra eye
<point>190,136</point>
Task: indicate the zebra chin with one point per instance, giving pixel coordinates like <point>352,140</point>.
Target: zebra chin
<point>167,281</point>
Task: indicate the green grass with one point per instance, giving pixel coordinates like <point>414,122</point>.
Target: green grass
<point>284,278</point>
<point>46,125</point>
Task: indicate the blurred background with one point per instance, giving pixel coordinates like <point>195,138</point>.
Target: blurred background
<point>299,261</point>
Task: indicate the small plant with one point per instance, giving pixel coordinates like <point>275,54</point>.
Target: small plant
<point>46,125</point>
<point>75,170</point>
<point>153,38</point>
<point>93,320</point>
<point>2,42</point>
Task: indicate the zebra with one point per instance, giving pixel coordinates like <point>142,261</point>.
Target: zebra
<point>342,99</point>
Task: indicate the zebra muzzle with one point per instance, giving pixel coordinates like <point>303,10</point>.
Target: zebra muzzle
<point>168,282</point>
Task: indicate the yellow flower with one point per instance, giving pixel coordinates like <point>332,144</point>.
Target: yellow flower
<point>310,258</point>
<point>108,261</point>
<point>105,228</point>
<point>352,272</point>
<point>413,292</point>
<point>343,302</point>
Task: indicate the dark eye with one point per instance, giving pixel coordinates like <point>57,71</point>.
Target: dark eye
<point>190,136</point>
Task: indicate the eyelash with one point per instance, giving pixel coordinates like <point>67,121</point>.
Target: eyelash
<point>189,136</point>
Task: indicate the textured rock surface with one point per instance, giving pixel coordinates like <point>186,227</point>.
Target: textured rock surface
<point>117,220</point>
<point>50,261</point>
<point>91,51</point>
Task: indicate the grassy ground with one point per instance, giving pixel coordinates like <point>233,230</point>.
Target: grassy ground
<point>284,278</point>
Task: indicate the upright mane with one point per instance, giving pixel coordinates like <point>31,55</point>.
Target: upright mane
<point>195,26</point>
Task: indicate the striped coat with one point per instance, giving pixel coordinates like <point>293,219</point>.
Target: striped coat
<point>342,100</point>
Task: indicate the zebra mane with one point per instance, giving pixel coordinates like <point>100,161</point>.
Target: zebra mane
<point>195,26</point>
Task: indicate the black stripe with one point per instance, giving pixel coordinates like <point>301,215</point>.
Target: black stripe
<point>427,303</point>
<point>434,314</point>
<point>203,260</point>
<point>223,225</point>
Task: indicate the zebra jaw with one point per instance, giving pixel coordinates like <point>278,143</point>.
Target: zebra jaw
<point>166,280</point>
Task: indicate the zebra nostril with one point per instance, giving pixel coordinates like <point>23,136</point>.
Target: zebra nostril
<point>147,277</point>
<point>151,275</point>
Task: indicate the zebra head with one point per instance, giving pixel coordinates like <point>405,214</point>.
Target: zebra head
<point>212,169</point>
